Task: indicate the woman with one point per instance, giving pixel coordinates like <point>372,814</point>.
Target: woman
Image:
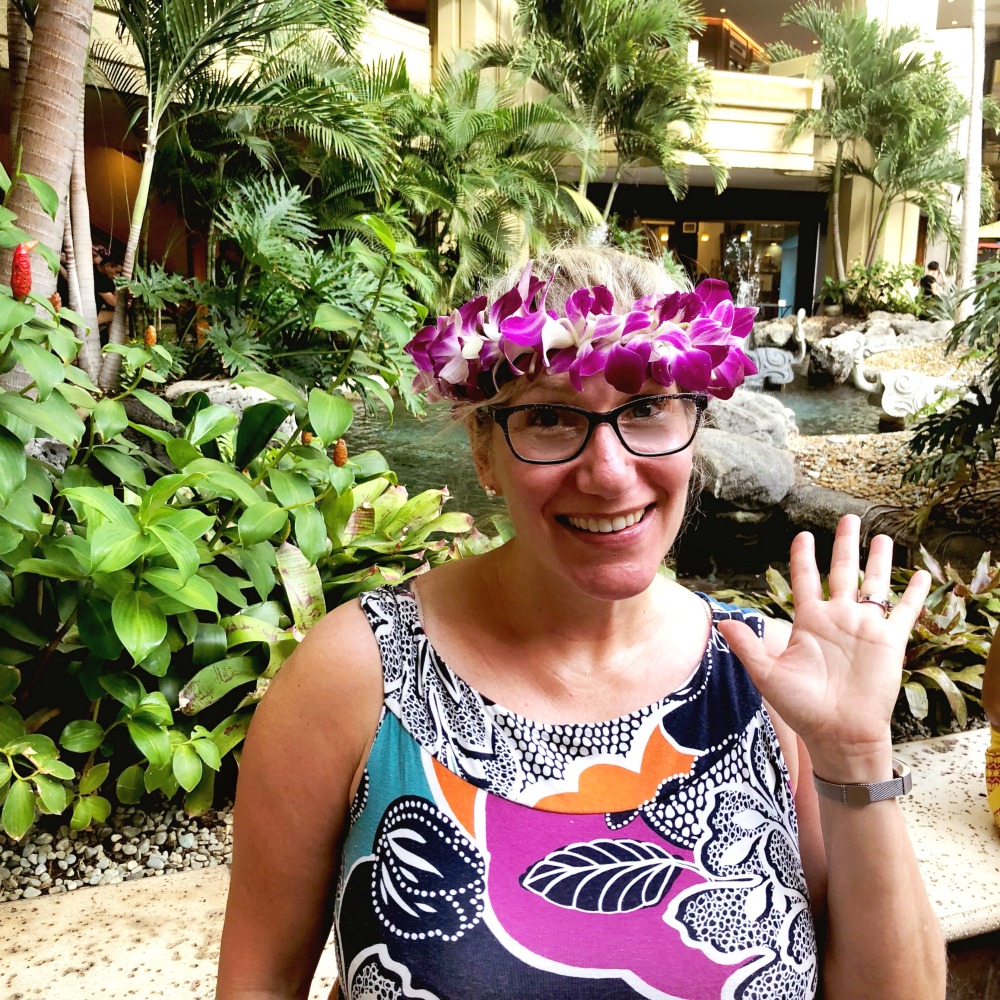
<point>634,821</point>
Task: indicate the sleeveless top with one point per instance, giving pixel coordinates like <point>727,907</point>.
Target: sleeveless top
<point>489,856</point>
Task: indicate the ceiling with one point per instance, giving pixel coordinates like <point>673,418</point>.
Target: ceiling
<point>761,19</point>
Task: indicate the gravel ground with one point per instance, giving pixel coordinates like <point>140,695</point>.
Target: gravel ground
<point>132,845</point>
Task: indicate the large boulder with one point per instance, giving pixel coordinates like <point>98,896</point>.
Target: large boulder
<point>750,478</point>
<point>774,332</point>
<point>236,397</point>
<point>753,415</point>
<point>879,336</point>
<point>910,330</point>
<point>832,359</point>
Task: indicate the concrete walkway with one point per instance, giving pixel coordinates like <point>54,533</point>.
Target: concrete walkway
<point>159,937</point>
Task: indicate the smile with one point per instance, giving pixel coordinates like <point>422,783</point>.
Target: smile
<point>606,525</point>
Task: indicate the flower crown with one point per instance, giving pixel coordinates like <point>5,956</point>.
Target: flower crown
<point>692,339</point>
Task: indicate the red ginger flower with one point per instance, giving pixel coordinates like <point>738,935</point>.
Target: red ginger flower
<point>20,270</point>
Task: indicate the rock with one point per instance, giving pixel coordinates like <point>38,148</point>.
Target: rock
<point>49,451</point>
<point>832,359</point>
<point>811,506</point>
<point>155,862</point>
<point>774,332</point>
<point>749,478</point>
<point>910,330</point>
<point>879,337</point>
<point>818,327</point>
<point>751,414</point>
<point>31,892</point>
<point>186,840</point>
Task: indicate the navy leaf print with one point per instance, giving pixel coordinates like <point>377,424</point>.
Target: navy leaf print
<point>604,876</point>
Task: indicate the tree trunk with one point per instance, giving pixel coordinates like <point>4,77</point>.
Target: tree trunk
<point>118,334</point>
<point>877,227</point>
<point>969,243</point>
<point>83,251</point>
<point>48,124</point>
<point>17,55</point>
<point>611,198</point>
<point>69,262</point>
<point>838,250</point>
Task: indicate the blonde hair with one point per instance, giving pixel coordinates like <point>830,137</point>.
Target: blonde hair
<point>627,276</point>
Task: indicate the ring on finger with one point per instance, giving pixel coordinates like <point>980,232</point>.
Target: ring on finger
<point>885,604</point>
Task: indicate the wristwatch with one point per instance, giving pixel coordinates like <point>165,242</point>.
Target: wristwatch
<point>864,793</point>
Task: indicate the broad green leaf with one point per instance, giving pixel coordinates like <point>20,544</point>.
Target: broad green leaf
<point>329,414</point>
<point>81,736</point>
<point>157,404</point>
<point>4,182</point>
<point>53,795</point>
<point>11,725</point>
<point>57,769</point>
<point>47,197</point>
<point>100,808</point>
<point>223,479</point>
<point>123,467</point>
<point>10,677</point>
<point>178,546</point>
<point>261,522</point>
<point>97,634</point>
<point>94,778</point>
<point>228,586</point>
<point>382,232</point>
<point>209,644</point>
<point>14,314</point>
<point>229,733</point>
<point>192,524</point>
<point>201,799</point>
<point>187,767</point>
<point>80,819</point>
<point>303,586</point>
<point>140,624</point>
<point>160,493</point>
<point>110,418</point>
<point>194,591</point>
<point>115,546</point>
<point>214,682</point>
<point>278,387</point>
<point>940,679</point>
<point>211,422</point>
<point>53,416</point>
<point>243,628</point>
<point>333,318</point>
<point>45,369</point>
<point>290,488</point>
<point>90,498</point>
<point>22,511</point>
<point>157,662</point>
<point>13,463</point>
<point>130,788</point>
<point>369,464</point>
<point>151,740</point>
<point>258,562</point>
<point>124,688</point>
<point>182,452</point>
<point>18,810</point>
<point>154,707</point>
<point>257,428</point>
<point>208,752</point>
<point>310,533</point>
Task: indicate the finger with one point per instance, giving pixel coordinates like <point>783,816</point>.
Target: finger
<point>806,581</point>
<point>844,562</point>
<point>877,581</point>
<point>750,651</point>
<point>911,604</point>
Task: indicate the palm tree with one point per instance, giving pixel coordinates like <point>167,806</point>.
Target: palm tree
<point>973,158</point>
<point>47,133</point>
<point>190,52</point>
<point>860,62</point>
<point>621,67</point>
<point>478,170</point>
<point>911,150</point>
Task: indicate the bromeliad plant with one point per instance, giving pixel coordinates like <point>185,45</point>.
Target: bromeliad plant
<point>943,671</point>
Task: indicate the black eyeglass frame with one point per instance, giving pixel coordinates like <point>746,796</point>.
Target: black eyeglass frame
<point>501,414</point>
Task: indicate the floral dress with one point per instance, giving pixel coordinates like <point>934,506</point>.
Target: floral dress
<point>489,856</point>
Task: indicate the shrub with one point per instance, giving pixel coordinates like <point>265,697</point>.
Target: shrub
<point>883,286</point>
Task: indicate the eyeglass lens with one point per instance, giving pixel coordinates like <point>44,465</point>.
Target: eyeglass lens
<point>653,426</point>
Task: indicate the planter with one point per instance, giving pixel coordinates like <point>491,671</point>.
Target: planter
<point>833,309</point>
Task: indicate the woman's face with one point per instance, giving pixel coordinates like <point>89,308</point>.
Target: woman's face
<point>558,511</point>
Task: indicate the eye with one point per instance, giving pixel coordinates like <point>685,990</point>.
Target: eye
<point>541,417</point>
<point>648,409</point>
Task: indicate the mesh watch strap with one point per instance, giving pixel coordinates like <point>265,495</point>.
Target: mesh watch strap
<point>866,792</point>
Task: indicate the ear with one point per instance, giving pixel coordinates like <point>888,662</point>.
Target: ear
<point>481,441</point>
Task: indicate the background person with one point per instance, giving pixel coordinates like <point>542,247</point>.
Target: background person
<point>545,771</point>
<point>932,283</point>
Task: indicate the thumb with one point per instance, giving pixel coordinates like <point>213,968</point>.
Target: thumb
<point>749,649</point>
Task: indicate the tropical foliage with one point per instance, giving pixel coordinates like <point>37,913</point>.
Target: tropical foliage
<point>621,68</point>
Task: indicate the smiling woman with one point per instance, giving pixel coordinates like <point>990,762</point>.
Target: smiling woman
<point>549,771</point>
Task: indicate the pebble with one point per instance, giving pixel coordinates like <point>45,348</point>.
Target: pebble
<point>134,844</point>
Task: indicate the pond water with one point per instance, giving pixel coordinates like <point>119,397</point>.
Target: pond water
<point>831,409</point>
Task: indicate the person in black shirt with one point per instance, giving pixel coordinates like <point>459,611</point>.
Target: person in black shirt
<point>931,283</point>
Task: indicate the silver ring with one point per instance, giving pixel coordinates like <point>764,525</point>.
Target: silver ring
<point>886,605</point>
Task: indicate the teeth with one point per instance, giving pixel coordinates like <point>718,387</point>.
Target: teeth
<point>604,525</point>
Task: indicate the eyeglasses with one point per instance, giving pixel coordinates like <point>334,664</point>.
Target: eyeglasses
<point>550,433</point>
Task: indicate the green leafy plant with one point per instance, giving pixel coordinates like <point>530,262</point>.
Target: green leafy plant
<point>943,671</point>
<point>832,291</point>
<point>882,286</point>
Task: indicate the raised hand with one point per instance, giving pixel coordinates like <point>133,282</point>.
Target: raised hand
<point>837,679</point>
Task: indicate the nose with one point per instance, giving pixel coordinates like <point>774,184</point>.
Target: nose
<point>605,468</point>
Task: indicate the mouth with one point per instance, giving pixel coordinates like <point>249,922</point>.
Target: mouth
<point>606,525</point>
